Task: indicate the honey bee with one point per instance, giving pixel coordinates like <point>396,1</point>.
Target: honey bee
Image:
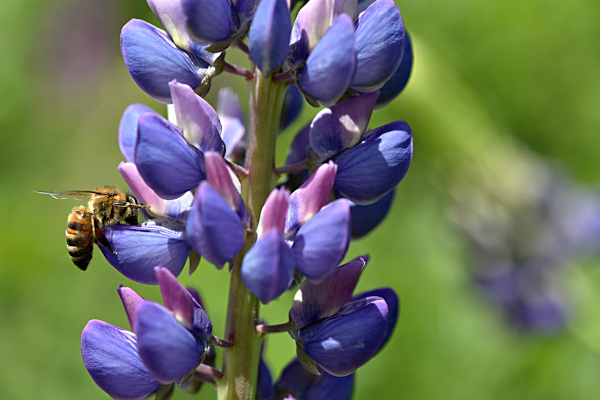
<point>108,205</point>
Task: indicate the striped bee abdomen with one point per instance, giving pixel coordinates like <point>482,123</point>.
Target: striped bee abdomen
<point>80,236</point>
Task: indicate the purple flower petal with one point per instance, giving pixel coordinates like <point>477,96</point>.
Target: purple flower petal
<point>168,164</point>
<point>153,60</point>
<point>168,350</point>
<point>209,20</point>
<point>309,198</point>
<point>198,120</point>
<point>141,248</point>
<point>130,300</point>
<point>367,217</point>
<point>341,126</point>
<point>269,35</point>
<point>321,243</point>
<point>268,267</point>
<point>330,66</point>
<point>317,301</point>
<point>342,343</point>
<point>128,128</point>
<point>304,385</point>
<point>379,45</point>
<point>393,304</point>
<point>376,165</point>
<point>213,228</point>
<point>111,357</point>
<point>396,84</point>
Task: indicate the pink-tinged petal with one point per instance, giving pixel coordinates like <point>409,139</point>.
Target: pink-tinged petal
<point>340,127</point>
<point>110,355</point>
<point>220,178</point>
<point>141,248</point>
<point>274,212</point>
<point>213,229</point>
<point>130,300</point>
<point>268,267</point>
<point>342,343</point>
<point>166,161</point>
<point>321,243</point>
<point>199,121</point>
<point>330,66</point>
<point>309,198</point>
<point>128,128</point>
<point>317,301</point>
<point>312,22</point>
<point>168,349</point>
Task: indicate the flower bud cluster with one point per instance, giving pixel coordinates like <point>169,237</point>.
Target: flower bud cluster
<point>194,171</point>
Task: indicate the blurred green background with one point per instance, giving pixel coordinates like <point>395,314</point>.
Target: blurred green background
<point>508,80</point>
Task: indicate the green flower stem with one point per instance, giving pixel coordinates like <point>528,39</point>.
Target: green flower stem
<point>240,361</point>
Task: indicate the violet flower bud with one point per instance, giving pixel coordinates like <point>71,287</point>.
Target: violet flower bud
<point>269,35</point>
<point>166,161</point>
<point>213,228</point>
<point>396,84</point>
<point>321,243</point>
<point>376,165</point>
<point>111,357</point>
<point>342,343</point>
<point>128,128</point>
<point>233,122</point>
<point>365,218</point>
<point>153,60</point>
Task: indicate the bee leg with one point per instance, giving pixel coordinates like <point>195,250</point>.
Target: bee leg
<point>102,240</point>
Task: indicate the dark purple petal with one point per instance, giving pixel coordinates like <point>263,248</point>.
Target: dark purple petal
<point>396,84</point>
<point>265,382</point>
<point>168,164</point>
<point>128,128</point>
<point>141,248</point>
<point>366,218</point>
<point>198,120</point>
<point>153,60</point>
<point>341,126</point>
<point>309,198</point>
<point>330,66</point>
<point>168,350</point>
<point>214,230</point>
<point>393,303</point>
<point>379,45</point>
<point>130,300</point>
<point>321,243</point>
<point>306,386</point>
<point>292,106</point>
<point>269,35</point>
<point>268,267</point>
<point>342,343</point>
<point>111,357</point>
<point>317,301</point>
<point>209,20</point>
<point>376,165</point>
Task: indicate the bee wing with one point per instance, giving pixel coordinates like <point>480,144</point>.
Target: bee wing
<point>77,194</point>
